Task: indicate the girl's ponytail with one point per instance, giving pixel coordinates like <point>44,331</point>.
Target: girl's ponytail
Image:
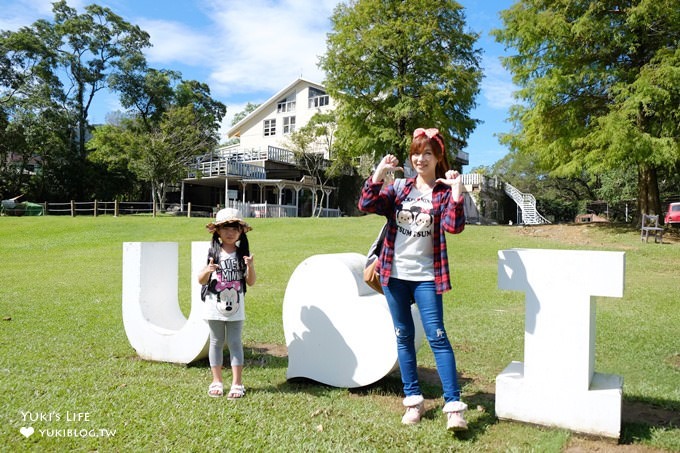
<point>215,247</point>
<point>242,250</point>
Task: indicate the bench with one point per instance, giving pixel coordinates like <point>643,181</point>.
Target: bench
<point>650,225</point>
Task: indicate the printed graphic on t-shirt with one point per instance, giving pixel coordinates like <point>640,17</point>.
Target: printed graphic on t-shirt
<point>414,219</point>
<point>229,289</point>
<point>413,258</point>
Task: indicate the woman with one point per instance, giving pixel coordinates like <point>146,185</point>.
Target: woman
<point>414,263</point>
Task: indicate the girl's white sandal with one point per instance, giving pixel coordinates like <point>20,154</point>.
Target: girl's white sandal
<point>236,392</point>
<point>216,389</point>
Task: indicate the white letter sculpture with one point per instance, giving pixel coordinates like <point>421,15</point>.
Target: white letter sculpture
<point>154,323</point>
<point>338,330</point>
<point>556,385</point>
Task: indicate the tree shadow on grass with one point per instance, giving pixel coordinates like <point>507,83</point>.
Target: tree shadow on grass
<point>639,417</point>
<point>254,356</point>
<point>642,416</point>
<point>480,404</point>
<point>389,386</point>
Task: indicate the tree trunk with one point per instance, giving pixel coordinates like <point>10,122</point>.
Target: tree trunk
<point>320,203</point>
<point>81,152</point>
<point>648,191</point>
<point>162,194</point>
<point>314,203</point>
<point>153,197</point>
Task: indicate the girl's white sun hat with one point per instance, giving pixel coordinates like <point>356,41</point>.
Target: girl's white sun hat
<point>228,215</point>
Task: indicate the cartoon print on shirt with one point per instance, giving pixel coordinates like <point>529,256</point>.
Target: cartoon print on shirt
<point>228,286</point>
<point>414,219</point>
<point>423,219</point>
<point>228,301</point>
<point>404,216</point>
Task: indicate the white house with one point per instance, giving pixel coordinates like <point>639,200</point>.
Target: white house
<point>283,113</point>
<point>259,175</point>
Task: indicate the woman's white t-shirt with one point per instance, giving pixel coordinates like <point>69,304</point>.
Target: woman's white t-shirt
<point>228,304</point>
<point>413,246</point>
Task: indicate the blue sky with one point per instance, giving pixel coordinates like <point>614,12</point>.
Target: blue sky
<point>247,50</point>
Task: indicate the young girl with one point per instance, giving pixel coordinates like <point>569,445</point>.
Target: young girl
<point>414,264</point>
<point>230,268</point>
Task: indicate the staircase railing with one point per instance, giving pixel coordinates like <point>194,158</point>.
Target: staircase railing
<point>527,203</point>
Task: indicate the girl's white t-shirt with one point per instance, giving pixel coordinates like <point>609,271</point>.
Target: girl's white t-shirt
<point>228,304</point>
<point>413,246</point>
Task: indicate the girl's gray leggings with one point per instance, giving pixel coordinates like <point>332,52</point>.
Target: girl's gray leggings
<point>231,331</point>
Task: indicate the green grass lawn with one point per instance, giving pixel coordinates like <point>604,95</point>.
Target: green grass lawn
<point>66,363</point>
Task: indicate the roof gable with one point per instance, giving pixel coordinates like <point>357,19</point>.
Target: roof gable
<point>295,85</point>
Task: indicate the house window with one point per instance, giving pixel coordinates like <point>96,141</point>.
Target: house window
<point>319,101</point>
<point>285,105</point>
<point>288,124</point>
<point>269,127</point>
<point>317,98</point>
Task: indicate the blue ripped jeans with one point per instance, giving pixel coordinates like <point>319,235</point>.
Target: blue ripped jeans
<point>399,294</point>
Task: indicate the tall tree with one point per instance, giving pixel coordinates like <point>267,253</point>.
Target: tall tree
<point>74,55</point>
<point>148,93</point>
<point>169,123</point>
<point>394,66</point>
<point>145,92</point>
<point>160,156</point>
<point>600,87</point>
<point>207,110</point>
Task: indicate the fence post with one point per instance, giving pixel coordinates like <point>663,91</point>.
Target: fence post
<point>153,209</point>
<point>189,209</point>
<point>73,208</point>
<point>95,208</point>
<point>115,208</point>
<point>45,208</point>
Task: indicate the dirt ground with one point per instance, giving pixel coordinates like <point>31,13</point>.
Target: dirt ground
<point>589,233</point>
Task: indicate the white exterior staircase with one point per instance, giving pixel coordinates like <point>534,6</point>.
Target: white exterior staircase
<point>527,203</point>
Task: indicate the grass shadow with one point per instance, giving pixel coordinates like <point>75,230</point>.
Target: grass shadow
<point>255,356</point>
<point>640,417</point>
<point>480,416</point>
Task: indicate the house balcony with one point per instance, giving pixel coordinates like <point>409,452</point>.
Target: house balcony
<point>222,167</point>
<point>463,158</point>
<point>234,161</point>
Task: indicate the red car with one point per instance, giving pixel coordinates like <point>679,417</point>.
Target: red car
<point>673,215</point>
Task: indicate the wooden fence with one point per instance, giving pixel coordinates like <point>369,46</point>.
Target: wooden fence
<point>116,208</point>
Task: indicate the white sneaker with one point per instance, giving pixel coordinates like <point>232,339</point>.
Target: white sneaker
<point>455,421</point>
<point>454,416</point>
<point>415,406</point>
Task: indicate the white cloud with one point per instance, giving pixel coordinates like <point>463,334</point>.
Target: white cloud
<point>498,94</point>
<point>176,43</point>
<point>264,45</point>
<point>22,13</point>
<point>497,86</point>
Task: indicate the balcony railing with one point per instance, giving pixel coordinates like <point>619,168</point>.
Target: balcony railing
<point>234,162</point>
<point>223,167</point>
<point>277,210</point>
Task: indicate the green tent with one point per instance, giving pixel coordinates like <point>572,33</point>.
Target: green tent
<point>9,207</point>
